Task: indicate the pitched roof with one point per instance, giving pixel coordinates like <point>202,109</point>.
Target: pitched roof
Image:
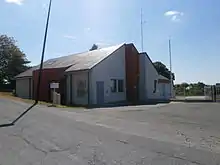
<point>89,59</point>
<point>75,62</point>
<point>27,73</point>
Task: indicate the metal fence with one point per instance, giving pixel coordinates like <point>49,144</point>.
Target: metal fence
<point>217,92</point>
<point>211,93</point>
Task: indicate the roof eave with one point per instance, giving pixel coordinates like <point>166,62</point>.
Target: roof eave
<point>75,71</point>
<point>22,77</point>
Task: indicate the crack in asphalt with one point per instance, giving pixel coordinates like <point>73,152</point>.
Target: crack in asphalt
<point>49,151</point>
<point>28,142</point>
<point>178,157</point>
<point>123,141</point>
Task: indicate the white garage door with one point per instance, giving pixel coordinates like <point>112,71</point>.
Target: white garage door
<point>23,88</point>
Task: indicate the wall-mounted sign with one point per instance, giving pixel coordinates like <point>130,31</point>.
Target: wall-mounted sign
<point>54,85</point>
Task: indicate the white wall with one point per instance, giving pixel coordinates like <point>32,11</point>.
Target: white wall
<point>77,76</point>
<point>68,101</point>
<point>23,86</point>
<point>113,67</point>
<point>166,88</point>
<point>147,77</point>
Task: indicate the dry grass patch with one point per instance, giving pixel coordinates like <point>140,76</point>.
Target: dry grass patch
<point>9,95</point>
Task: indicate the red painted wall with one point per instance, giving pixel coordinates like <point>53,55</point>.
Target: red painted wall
<point>48,75</point>
<point>132,72</point>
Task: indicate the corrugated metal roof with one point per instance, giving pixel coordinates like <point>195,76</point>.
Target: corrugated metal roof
<point>89,59</point>
<point>81,61</point>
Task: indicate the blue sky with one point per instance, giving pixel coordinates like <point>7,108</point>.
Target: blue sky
<point>75,25</point>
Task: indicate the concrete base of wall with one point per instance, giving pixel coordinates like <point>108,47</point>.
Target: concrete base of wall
<point>124,103</point>
<point>154,101</point>
<point>114,104</point>
<point>192,101</point>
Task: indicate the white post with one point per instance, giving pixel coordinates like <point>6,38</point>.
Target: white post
<point>54,96</point>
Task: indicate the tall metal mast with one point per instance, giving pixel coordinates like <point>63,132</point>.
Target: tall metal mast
<point>171,76</point>
<point>142,33</point>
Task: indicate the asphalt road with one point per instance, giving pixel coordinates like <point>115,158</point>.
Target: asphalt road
<point>178,133</point>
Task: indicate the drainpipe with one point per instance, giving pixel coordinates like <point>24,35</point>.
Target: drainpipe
<point>71,88</point>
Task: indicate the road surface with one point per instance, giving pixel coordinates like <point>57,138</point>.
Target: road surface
<point>192,98</point>
<point>178,133</point>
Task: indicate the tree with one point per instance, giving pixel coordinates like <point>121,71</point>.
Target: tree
<point>94,47</point>
<point>163,70</point>
<point>193,89</point>
<point>12,60</point>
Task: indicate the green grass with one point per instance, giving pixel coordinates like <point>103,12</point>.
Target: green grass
<point>9,95</point>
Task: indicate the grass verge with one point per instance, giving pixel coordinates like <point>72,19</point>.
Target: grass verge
<point>9,95</point>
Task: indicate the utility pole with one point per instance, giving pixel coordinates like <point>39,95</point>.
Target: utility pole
<point>39,74</point>
<point>171,76</point>
<point>42,55</point>
<point>142,38</point>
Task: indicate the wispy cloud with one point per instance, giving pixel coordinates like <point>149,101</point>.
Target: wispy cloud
<point>17,2</point>
<point>88,29</point>
<point>69,37</point>
<point>174,15</point>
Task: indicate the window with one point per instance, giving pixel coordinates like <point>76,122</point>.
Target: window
<point>155,86</point>
<point>81,88</point>
<point>113,85</point>
<point>120,86</point>
<point>117,85</point>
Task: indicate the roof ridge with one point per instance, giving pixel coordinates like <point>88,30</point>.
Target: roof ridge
<point>111,50</point>
<point>79,53</point>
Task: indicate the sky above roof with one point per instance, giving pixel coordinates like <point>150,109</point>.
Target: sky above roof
<point>76,24</point>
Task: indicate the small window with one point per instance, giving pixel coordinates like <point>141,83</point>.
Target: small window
<point>155,86</point>
<point>113,86</point>
<point>120,86</point>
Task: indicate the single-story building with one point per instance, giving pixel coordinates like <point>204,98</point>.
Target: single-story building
<point>152,85</point>
<point>104,76</point>
<point>93,77</point>
<point>164,88</point>
<point>24,84</point>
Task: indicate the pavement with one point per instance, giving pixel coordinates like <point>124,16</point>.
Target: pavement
<point>163,134</point>
<point>192,97</point>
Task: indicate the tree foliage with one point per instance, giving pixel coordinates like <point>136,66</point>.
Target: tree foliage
<point>12,60</point>
<point>94,47</point>
<point>163,70</point>
<point>192,89</point>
